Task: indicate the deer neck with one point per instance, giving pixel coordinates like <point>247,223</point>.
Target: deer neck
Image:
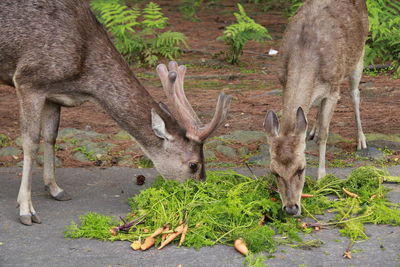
<point>298,92</point>
<point>124,98</point>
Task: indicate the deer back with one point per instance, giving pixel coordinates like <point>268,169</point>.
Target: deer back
<point>324,39</point>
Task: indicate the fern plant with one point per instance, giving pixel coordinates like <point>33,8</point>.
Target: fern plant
<point>383,44</point>
<point>237,35</point>
<point>136,40</point>
<point>189,9</point>
<point>153,18</point>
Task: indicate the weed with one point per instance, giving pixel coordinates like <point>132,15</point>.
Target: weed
<point>89,155</point>
<point>72,141</point>
<point>245,70</point>
<point>189,9</point>
<point>144,162</point>
<point>5,140</point>
<point>387,151</point>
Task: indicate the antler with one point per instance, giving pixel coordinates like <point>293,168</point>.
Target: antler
<point>180,107</point>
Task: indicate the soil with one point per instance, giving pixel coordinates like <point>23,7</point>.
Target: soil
<point>248,82</point>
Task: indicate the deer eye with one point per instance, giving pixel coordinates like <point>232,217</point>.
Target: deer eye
<point>193,166</point>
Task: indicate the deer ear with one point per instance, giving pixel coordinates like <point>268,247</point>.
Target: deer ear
<point>158,126</point>
<point>271,124</point>
<point>301,122</point>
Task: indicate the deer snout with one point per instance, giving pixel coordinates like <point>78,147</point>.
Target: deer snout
<point>292,209</point>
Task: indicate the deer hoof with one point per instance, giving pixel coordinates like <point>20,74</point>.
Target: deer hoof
<point>35,218</point>
<point>62,196</point>
<point>26,219</point>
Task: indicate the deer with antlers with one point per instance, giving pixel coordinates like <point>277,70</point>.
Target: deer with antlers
<point>56,54</point>
<point>322,45</point>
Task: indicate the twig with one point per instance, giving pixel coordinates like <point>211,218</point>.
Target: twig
<point>248,167</point>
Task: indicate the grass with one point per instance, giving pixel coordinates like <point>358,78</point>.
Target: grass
<point>339,163</point>
<point>144,162</point>
<point>209,84</point>
<point>89,155</point>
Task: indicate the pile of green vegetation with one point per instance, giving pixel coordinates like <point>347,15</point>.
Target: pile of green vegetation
<point>228,206</point>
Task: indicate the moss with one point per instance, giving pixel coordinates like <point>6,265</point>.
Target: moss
<point>380,136</point>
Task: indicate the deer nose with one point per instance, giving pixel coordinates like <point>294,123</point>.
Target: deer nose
<point>291,210</point>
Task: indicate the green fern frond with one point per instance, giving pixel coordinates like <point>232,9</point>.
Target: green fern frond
<point>169,44</point>
<point>383,43</point>
<point>153,17</point>
<point>139,40</point>
<point>237,35</point>
<point>189,9</point>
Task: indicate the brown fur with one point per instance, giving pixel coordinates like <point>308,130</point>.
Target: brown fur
<point>284,148</point>
<point>322,45</point>
<point>55,53</point>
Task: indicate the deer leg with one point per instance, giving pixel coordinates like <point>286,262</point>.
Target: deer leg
<point>355,79</point>
<point>50,123</point>
<point>313,134</point>
<point>327,108</point>
<point>31,106</point>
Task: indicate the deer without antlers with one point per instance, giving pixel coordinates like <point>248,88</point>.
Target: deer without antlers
<point>55,53</point>
<point>322,45</point>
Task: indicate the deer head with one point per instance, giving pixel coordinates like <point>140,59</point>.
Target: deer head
<point>188,138</point>
<point>288,159</point>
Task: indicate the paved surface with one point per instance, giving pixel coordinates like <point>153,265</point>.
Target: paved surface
<point>106,191</point>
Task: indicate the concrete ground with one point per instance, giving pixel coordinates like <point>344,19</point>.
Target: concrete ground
<point>106,191</point>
